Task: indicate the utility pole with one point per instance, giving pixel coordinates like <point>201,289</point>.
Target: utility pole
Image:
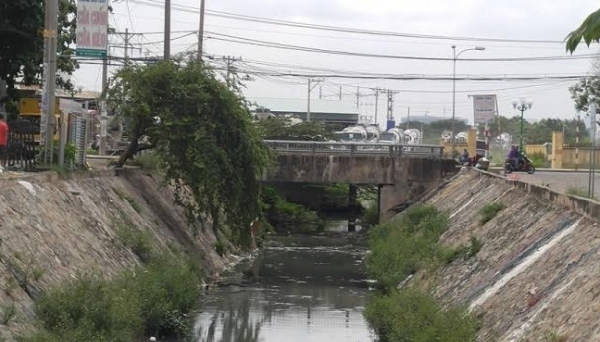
<point>408,119</point>
<point>125,54</point>
<point>357,97</point>
<point>340,93</point>
<point>201,30</point>
<point>320,92</point>
<point>229,69</point>
<point>592,174</point>
<point>376,103</point>
<point>390,109</point>
<point>48,101</point>
<point>310,88</point>
<point>167,48</point>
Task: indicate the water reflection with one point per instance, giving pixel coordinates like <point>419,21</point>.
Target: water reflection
<point>302,294</point>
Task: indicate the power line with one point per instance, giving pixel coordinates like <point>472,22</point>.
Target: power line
<point>257,42</point>
<point>234,16</point>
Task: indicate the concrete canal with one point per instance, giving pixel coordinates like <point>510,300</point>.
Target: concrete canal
<point>307,289</point>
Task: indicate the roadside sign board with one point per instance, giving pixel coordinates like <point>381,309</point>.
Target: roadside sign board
<point>92,28</point>
<point>484,108</point>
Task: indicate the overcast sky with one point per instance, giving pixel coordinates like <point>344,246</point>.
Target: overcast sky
<point>508,19</point>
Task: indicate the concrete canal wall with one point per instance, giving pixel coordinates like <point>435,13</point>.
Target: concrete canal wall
<point>538,271</point>
<point>52,228</point>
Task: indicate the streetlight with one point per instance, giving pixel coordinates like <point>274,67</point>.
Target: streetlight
<point>522,105</point>
<point>456,55</point>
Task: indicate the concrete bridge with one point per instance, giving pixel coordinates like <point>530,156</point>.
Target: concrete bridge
<point>402,173</point>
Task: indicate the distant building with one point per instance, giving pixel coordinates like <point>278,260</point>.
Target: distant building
<point>427,119</point>
<point>332,112</point>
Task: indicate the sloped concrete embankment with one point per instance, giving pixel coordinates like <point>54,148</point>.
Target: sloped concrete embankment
<point>539,269</point>
<point>53,229</point>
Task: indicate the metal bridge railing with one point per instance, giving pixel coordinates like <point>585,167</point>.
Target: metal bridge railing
<point>346,148</point>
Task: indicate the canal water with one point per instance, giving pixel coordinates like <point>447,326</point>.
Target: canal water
<point>307,289</point>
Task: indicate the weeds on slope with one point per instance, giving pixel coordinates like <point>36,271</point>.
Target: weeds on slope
<point>489,211</point>
<point>153,300</point>
<point>398,249</point>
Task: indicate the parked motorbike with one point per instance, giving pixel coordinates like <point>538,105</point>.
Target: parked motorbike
<point>526,165</point>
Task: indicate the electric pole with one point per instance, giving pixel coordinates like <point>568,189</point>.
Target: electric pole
<point>408,119</point>
<point>340,93</point>
<point>167,48</point>
<point>310,88</point>
<point>229,69</point>
<point>201,30</point>
<point>357,97</point>
<point>390,108</point>
<point>48,100</point>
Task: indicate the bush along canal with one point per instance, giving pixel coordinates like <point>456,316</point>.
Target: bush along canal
<point>404,256</point>
<point>298,288</point>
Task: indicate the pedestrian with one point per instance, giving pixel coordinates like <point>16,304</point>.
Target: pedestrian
<point>3,141</point>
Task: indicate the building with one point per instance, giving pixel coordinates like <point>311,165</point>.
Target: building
<point>427,119</point>
<point>328,111</point>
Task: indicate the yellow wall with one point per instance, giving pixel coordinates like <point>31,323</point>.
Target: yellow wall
<point>31,105</point>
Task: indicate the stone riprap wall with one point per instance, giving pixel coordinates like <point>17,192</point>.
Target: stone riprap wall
<point>52,229</point>
<point>538,272</point>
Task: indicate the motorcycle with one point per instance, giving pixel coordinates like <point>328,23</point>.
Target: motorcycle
<point>526,165</point>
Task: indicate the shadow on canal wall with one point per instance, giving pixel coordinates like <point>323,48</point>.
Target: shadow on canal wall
<point>538,271</point>
<point>53,228</point>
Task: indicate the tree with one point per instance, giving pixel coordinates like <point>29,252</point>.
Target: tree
<point>21,51</point>
<point>585,91</point>
<point>589,31</point>
<point>203,133</point>
<point>281,128</point>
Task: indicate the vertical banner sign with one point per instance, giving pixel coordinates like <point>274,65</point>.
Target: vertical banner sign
<point>484,107</point>
<point>92,28</point>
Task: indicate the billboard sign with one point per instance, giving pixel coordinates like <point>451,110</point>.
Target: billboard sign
<point>92,28</point>
<point>484,107</point>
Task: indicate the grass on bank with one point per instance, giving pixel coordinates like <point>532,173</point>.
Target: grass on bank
<point>579,192</point>
<point>150,300</point>
<point>489,211</point>
<point>398,249</point>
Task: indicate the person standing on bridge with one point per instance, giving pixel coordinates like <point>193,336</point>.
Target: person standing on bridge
<point>3,141</point>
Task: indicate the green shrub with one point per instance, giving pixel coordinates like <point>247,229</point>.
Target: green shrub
<point>140,242</point>
<point>413,315</point>
<point>400,248</point>
<point>150,301</point>
<point>489,211</point>
<point>465,252</point>
<point>147,161</point>
<point>285,216</point>
<point>9,312</point>
<point>370,217</point>
<point>403,246</point>
<point>220,247</point>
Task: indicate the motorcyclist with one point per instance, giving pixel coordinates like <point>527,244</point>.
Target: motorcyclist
<point>514,156</point>
<point>464,158</point>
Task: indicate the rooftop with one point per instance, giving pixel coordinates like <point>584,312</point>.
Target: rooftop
<point>300,106</point>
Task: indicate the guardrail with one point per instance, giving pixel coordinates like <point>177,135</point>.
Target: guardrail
<point>318,147</point>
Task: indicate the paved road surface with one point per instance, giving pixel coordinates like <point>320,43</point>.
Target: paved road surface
<point>561,181</point>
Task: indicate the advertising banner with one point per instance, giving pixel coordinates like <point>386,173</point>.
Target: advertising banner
<point>92,28</point>
<point>484,107</point>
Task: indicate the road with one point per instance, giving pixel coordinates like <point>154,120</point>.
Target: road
<point>560,181</point>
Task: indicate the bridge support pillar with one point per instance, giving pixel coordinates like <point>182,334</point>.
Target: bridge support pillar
<point>352,205</point>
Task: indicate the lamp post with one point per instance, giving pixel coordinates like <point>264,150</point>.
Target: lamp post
<point>522,105</point>
<point>454,59</point>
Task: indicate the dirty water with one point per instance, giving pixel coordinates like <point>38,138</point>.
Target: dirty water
<point>306,290</point>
